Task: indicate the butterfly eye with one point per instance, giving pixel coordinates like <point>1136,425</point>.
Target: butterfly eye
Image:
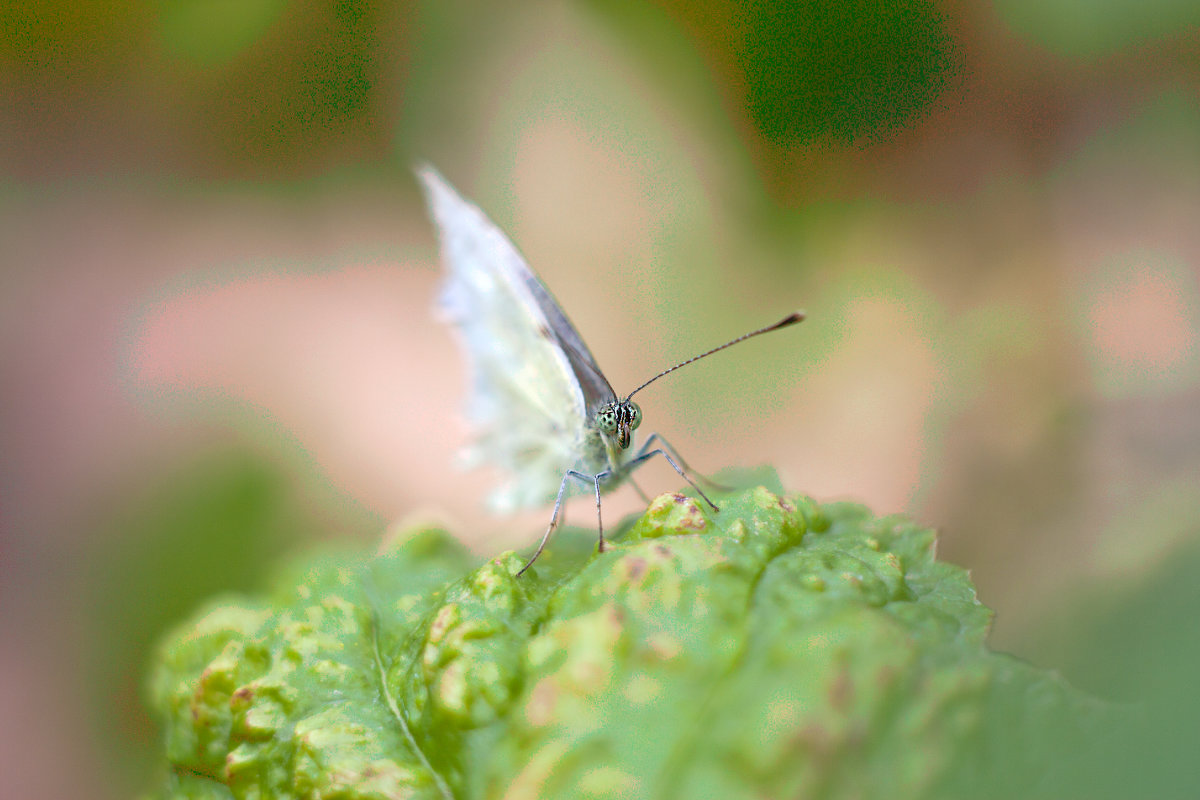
<point>606,419</point>
<point>635,416</point>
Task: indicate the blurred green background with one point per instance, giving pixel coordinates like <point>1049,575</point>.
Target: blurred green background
<point>217,346</point>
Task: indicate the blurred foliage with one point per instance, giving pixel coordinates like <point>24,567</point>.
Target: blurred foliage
<point>212,33</point>
<point>263,87</point>
<point>1156,136</point>
<point>840,71</point>
<point>217,523</point>
<point>808,73</point>
<point>1088,31</point>
<point>1135,639</point>
<point>315,80</point>
<point>60,36</point>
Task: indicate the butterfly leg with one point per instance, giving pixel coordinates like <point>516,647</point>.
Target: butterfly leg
<point>669,447</point>
<point>562,487</point>
<point>599,476</point>
<point>645,455</point>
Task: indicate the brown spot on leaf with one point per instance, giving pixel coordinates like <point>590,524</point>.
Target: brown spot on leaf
<point>617,615</point>
<point>886,676</point>
<point>841,691</point>
<point>635,568</point>
<point>539,711</point>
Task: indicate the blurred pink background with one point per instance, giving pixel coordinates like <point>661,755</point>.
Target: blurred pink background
<point>214,253</point>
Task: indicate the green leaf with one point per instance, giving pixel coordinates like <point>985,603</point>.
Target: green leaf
<point>212,33</point>
<point>778,648</point>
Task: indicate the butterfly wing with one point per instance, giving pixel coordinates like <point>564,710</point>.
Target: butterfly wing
<point>595,387</point>
<point>533,380</point>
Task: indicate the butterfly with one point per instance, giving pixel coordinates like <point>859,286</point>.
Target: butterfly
<point>544,413</point>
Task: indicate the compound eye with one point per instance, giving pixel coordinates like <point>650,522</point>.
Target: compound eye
<point>635,416</point>
<point>606,419</point>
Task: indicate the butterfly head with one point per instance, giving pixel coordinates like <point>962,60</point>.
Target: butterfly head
<point>618,420</point>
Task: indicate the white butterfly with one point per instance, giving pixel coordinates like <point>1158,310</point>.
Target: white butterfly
<point>544,412</point>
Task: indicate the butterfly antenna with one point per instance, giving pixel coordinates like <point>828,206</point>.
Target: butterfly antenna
<point>790,319</point>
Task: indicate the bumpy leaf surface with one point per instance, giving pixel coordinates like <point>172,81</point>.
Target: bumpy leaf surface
<point>778,648</point>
